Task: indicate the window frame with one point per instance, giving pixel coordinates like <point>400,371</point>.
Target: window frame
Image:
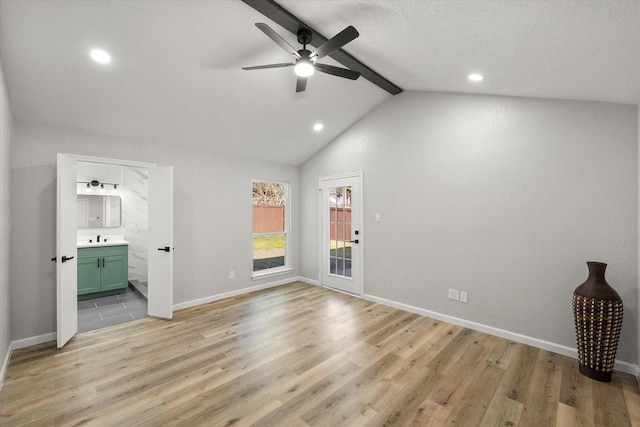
<point>286,268</point>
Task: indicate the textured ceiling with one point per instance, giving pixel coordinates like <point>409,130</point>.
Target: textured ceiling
<point>176,73</point>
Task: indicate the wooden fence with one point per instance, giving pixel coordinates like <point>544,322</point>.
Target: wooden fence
<point>268,219</point>
<point>340,223</point>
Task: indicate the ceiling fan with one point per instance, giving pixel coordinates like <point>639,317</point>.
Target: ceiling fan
<point>305,61</point>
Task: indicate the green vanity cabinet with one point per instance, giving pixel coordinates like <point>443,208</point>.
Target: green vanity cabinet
<point>102,269</point>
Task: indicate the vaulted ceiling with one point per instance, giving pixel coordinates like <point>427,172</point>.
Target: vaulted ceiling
<point>176,72</point>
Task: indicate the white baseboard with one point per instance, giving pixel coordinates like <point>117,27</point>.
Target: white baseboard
<point>626,367</point>
<point>26,342</point>
<point>309,281</point>
<point>5,364</point>
<point>230,294</point>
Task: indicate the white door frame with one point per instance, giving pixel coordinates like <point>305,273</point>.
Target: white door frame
<point>73,305</point>
<point>360,267</point>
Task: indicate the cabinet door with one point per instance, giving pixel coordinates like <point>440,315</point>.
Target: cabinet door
<point>88,275</point>
<point>114,272</point>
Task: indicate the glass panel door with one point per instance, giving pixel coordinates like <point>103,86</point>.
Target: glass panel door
<point>340,231</point>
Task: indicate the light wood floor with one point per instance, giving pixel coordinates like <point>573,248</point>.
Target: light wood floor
<point>301,355</point>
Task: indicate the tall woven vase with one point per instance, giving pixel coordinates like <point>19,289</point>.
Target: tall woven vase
<point>597,312</point>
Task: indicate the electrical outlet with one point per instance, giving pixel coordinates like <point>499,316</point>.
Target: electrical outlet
<point>232,274</point>
<point>464,297</point>
<point>454,294</point>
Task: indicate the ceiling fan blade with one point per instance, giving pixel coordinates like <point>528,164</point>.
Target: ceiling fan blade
<point>335,43</point>
<point>262,67</point>
<point>337,71</point>
<point>301,84</point>
<point>276,38</point>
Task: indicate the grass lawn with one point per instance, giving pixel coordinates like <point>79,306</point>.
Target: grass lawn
<point>268,251</point>
<point>341,252</point>
<point>269,241</point>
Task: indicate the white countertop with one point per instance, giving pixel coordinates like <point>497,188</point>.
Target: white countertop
<point>109,242</point>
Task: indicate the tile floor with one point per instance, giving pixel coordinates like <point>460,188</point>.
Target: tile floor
<point>97,313</point>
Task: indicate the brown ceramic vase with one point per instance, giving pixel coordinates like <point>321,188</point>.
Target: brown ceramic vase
<point>597,312</point>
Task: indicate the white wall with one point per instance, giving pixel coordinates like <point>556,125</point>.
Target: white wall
<point>212,217</point>
<point>505,198</point>
<point>5,222</point>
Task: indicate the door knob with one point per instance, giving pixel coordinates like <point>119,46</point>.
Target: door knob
<point>66,258</point>
<point>166,249</point>
<point>354,241</point>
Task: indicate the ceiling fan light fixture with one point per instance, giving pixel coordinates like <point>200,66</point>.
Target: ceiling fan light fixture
<point>305,61</point>
<point>304,68</point>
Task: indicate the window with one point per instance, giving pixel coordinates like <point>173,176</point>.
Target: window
<point>270,227</point>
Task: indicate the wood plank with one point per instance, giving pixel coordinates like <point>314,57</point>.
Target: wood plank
<point>541,402</point>
<point>337,407</point>
<point>502,411</point>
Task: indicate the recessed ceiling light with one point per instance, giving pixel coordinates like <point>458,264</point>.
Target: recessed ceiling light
<point>318,127</point>
<point>475,77</point>
<point>100,56</point>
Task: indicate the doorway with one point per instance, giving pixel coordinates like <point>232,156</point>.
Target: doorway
<point>159,248</point>
<point>112,204</point>
<point>341,232</point>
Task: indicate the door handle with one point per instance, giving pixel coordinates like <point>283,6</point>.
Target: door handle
<point>166,249</point>
<point>354,241</point>
<point>66,258</point>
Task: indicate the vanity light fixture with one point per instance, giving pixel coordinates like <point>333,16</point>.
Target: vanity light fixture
<point>96,183</point>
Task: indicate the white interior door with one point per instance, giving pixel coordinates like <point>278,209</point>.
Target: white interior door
<point>341,251</point>
<point>66,250</point>
<point>160,278</point>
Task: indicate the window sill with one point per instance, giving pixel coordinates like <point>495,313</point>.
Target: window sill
<point>271,272</point>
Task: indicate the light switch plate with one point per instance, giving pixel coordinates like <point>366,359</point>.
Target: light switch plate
<point>464,297</point>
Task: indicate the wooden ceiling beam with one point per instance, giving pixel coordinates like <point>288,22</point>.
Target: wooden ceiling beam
<point>292,23</point>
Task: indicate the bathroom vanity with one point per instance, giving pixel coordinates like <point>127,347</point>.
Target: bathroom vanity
<point>102,266</point>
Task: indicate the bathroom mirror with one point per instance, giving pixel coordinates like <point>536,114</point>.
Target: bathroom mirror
<point>96,211</point>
